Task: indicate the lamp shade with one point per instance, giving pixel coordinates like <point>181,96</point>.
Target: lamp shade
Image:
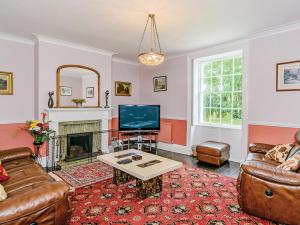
<point>151,58</point>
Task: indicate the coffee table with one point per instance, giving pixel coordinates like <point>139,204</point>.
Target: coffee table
<point>147,172</point>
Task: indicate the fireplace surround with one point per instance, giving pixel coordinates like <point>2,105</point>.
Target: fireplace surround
<point>79,136</point>
<point>67,121</point>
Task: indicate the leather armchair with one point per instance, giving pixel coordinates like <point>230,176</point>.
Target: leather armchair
<point>33,196</point>
<point>267,191</point>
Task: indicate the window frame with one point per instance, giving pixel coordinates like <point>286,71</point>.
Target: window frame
<point>198,94</point>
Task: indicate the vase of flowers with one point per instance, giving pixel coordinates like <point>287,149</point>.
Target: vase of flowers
<point>40,132</point>
<point>78,101</point>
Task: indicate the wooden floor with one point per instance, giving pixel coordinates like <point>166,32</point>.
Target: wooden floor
<point>228,169</point>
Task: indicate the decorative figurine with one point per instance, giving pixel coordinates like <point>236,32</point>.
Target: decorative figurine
<point>106,99</point>
<point>50,101</point>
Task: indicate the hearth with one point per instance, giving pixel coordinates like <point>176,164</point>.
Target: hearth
<point>79,146</point>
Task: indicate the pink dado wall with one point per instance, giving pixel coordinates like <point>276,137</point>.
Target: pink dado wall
<point>271,134</point>
<point>12,136</point>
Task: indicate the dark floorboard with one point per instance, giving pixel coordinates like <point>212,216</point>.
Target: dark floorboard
<point>230,168</point>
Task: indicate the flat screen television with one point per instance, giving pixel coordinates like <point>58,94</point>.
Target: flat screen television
<point>139,117</point>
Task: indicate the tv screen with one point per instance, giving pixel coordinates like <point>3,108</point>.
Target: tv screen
<point>139,117</point>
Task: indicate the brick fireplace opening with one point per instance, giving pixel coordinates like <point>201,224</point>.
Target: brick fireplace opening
<point>79,146</point>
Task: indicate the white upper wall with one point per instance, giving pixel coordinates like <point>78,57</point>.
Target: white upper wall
<point>266,106</point>
<point>173,101</point>
<point>122,71</point>
<point>51,56</point>
<point>17,57</point>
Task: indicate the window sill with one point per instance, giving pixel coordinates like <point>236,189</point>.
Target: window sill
<point>219,126</point>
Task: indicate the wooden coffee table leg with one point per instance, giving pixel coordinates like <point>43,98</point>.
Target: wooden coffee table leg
<point>121,177</point>
<point>149,187</point>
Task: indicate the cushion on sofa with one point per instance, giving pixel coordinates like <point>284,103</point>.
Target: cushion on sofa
<point>3,173</point>
<point>280,152</point>
<point>295,150</point>
<point>3,194</point>
<point>291,164</point>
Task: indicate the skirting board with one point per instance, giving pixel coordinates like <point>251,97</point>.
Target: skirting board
<point>175,148</point>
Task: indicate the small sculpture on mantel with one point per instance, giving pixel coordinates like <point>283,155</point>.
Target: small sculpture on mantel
<point>50,100</point>
<point>106,99</point>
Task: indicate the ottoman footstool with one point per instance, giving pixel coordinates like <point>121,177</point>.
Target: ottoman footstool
<point>213,152</point>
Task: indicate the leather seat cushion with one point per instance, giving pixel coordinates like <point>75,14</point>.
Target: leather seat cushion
<point>261,158</point>
<point>25,187</point>
<point>212,148</point>
<point>28,174</point>
<point>18,163</point>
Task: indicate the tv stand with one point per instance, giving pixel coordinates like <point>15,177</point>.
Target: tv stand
<point>138,138</point>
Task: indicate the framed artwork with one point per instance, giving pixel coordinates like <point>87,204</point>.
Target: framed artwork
<point>90,92</point>
<point>160,83</point>
<point>6,83</point>
<point>65,91</point>
<point>122,88</point>
<point>288,76</point>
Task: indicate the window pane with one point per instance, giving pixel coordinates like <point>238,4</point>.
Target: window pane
<point>206,115</point>
<point>215,116</point>
<point>238,83</point>
<point>207,69</point>
<point>206,100</point>
<point>215,100</point>
<point>216,84</point>
<point>216,68</point>
<point>226,100</point>
<point>228,67</point>
<point>226,116</point>
<point>238,66</point>
<point>237,117</point>
<point>237,100</point>
<point>206,85</point>
<point>227,83</point>
<point>221,90</point>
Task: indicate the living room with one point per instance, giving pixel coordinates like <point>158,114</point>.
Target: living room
<point>215,83</point>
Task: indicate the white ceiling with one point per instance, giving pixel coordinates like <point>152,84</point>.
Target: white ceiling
<point>117,25</point>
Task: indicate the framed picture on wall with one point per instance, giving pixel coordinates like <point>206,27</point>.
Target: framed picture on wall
<point>122,88</point>
<point>288,76</point>
<point>6,83</point>
<point>160,83</point>
<point>90,92</point>
<point>65,91</point>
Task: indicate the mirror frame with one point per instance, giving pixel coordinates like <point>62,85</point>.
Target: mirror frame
<point>58,75</point>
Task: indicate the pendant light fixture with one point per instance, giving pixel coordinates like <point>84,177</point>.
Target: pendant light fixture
<point>154,56</point>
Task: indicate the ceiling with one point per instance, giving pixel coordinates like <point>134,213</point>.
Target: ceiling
<point>117,25</point>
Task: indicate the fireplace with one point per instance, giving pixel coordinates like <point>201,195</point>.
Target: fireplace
<point>79,146</point>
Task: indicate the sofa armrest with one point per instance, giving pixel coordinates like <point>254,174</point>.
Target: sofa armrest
<point>28,203</point>
<point>260,148</point>
<point>15,153</point>
<point>271,173</point>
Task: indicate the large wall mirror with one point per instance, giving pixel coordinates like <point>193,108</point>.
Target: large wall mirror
<point>77,86</point>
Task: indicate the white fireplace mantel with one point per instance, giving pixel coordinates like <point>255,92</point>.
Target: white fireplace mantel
<point>57,115</point>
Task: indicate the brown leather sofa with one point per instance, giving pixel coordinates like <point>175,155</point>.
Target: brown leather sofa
<point>33,196</point>
<point>266,191</point>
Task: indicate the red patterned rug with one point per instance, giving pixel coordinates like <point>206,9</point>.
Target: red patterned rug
<point>83,175</point>
<point>190,196</point>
